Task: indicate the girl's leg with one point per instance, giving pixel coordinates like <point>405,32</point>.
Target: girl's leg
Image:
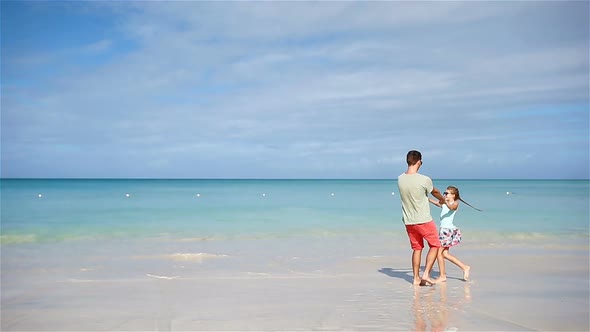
<point>465,268</point>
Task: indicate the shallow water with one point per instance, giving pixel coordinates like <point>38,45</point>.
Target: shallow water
<point>61,210</point>
<point>295,258</point>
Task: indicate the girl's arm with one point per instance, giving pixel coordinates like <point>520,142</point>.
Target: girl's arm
<point>452,206</point>
<point>435,202</point>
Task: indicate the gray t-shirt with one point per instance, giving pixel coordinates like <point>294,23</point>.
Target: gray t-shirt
<point>414,190</point>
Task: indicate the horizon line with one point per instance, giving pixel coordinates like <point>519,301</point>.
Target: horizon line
<point>247,178</point>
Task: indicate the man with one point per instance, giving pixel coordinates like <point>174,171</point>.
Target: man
<point>414,189</point>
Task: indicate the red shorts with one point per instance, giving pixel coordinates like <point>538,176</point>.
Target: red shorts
<point>419,233</point>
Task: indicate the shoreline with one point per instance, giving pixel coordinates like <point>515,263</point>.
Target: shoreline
<point>327,283</point>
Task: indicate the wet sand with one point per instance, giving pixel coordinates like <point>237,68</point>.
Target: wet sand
<point>326,284</point>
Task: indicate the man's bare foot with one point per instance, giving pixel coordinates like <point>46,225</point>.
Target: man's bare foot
<point>466,273</point>
<point>417,282</point>
<point>426,281</point>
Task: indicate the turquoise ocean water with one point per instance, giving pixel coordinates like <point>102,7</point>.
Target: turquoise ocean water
<point>107,254</point>
<point>49,211</point>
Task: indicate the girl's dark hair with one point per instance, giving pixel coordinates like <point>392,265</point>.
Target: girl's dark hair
<point>457,196</point>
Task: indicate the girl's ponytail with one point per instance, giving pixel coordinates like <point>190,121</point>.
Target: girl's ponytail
<point>457,196</point>
<point>469,204</point>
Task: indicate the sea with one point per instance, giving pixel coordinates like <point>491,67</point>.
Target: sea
<point>222,254</point>
<point>35,211</point>
<point>100,229</point>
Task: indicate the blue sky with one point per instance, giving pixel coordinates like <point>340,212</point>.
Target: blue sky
<point>493,89</point>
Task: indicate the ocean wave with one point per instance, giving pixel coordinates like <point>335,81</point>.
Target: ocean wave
<point>193,257</point>
<point>527,236</point>
<point>198,239</point>
<point>18,238</point>
<point>185,257</point>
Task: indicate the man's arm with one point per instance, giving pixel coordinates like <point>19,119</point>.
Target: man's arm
<point>438,195</point>
<point>435,202</point>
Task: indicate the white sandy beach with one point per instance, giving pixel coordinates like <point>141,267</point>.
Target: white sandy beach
<point>264,285</point>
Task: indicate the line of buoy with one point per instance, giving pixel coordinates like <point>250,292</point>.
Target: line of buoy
<point>263,194</point>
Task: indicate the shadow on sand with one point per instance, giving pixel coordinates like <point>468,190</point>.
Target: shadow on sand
<point>406,273</point>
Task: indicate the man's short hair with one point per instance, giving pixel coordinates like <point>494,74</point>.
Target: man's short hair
<point>413,157</point>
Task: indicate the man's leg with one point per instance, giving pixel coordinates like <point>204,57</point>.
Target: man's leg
<point>416,258</point>
<point>430,258</point>
<point>417,244</point>
<point>431,237</point>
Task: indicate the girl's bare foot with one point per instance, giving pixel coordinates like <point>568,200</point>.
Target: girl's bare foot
<point>440,279</point>
<point>466,273</point>
<point>426,281</point>
<point>417,282</point>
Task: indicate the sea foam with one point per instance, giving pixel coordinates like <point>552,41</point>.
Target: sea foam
<point>18,238</point>
<point>185,257</point>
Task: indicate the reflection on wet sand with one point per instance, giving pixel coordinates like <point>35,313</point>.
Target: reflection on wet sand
<point>434,306</point>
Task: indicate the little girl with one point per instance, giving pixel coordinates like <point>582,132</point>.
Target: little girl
<point>449,235</point>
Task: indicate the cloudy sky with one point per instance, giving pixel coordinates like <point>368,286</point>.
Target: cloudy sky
<point>493,89</point>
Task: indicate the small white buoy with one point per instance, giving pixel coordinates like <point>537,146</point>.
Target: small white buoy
<point>392,193</point>
<point>332,194</point>
<point>39,195</point>
<point>127,195</point>
<point>198,195</point>
<point>507,193</point>
<point>263,194</point>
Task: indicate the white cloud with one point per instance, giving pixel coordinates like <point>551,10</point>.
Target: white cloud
<point>339,84</point>
<point>99,46</point>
